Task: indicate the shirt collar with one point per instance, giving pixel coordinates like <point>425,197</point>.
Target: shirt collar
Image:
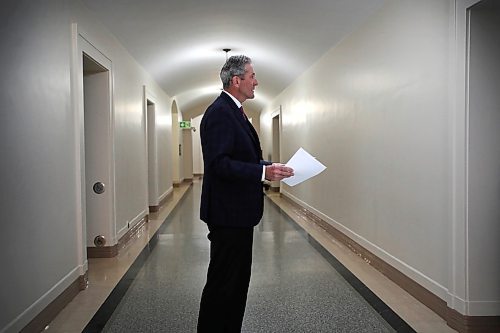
<point>238,104</point>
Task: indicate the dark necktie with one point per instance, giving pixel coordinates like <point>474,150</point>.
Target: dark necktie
<point>243,113</point>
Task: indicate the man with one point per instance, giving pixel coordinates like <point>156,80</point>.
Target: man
<point>232,198</point>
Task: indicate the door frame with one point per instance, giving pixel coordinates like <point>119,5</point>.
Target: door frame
<point>81,43</point>
<point>275,185</point>
<point>152,194</point>
<point>458,292</point>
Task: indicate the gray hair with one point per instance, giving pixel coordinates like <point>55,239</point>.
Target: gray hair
<point>234,66</point>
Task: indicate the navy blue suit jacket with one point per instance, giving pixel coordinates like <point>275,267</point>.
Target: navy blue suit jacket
<point>232,193</point>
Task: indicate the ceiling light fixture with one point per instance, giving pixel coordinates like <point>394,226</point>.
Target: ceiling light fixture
<point>227,51</point>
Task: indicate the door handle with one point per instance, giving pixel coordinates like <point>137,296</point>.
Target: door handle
<point>99,188</point>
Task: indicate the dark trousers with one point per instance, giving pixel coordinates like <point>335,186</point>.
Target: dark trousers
<point>224,297</point>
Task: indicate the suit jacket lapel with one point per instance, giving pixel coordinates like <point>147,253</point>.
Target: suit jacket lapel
<point>247,126</point>
<point>249,129</point>
<point>255,137</point>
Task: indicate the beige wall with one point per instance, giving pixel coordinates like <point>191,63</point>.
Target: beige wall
<point>379,111</point>
<point>42,238</point>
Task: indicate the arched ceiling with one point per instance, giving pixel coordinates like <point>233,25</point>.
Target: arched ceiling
<point>180,42</point>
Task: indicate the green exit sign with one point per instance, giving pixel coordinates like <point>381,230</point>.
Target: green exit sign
<point>184,124</point>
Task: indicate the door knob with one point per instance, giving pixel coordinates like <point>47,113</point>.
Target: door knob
<point>99,188</point>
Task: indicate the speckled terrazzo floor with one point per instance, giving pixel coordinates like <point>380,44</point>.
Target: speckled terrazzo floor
<point>293,287</point>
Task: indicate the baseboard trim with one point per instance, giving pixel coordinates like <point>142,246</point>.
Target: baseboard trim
<point>112,251</point>
<point>154,209</point>
<point>102,251</point>
<point>40,322</point>
<point>132,232</point>
<point>274,188</point>
<point>469,324</point>
<point>454,319</point>
<point>184,181</point>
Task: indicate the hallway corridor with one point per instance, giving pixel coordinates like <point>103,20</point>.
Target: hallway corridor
<point>293,287</point>
<point>102,107</point>
<point>155,282</point>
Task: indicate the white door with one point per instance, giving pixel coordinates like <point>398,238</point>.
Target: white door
<point>484,153</point>
<point>187,154</point>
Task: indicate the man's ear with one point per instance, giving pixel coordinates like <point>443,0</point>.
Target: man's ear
<point>236,81</point>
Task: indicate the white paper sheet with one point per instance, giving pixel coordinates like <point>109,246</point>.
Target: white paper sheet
<point>304,167</point>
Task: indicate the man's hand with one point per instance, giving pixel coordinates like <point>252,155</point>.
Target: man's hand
<point>278,171</point>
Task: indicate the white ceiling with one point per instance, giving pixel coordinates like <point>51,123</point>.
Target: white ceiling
<point>180,42</point>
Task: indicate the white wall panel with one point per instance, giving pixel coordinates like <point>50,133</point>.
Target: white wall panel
<point>375,109</point>
<point>38,204</point>
<point>385,110</point>
<point>40,240</point>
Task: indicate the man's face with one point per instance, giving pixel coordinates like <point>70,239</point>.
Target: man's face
<point>248,83</point>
